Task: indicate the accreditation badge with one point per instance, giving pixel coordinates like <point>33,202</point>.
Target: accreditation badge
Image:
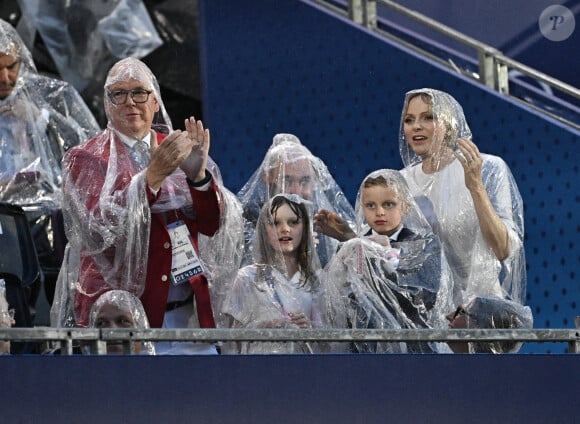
<point>185,262</point>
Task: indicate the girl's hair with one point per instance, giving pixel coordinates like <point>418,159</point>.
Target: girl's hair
<point>299,209</point>
<point>264,255</point>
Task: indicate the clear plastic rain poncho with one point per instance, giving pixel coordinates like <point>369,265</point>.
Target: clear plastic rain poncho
<point>289,167</point>
<point>388,284</point>
<point>120,309</point>
<point>494,313</point>
<point>264,295</point>
<point>40,119</point>
<point>107,213</point>
<point>84,38</point>
<point>222,253</point>
<point>448,206</point>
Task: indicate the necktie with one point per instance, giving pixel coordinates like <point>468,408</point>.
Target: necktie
<point>141,153</point>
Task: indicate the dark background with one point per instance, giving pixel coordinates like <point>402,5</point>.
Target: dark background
<point>175,63</point>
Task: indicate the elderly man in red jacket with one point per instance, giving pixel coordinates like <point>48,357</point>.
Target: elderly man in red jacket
<point>136,196</point>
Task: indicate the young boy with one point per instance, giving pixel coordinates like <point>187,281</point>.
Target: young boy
<point>394,272</point>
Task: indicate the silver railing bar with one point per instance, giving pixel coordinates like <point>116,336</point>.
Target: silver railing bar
<point>493,65</point>
<point>491,73</point>
<point>556,83</point>
<point>539,335</point>
<point>337,335</point>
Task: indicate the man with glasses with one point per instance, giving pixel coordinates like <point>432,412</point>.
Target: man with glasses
<point>289,167</point>
<point>40,118</point>
<point>136,196</point>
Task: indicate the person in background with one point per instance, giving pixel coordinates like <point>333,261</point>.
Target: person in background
<point>489,312</point>
<point>289,167</point>
<point>40,118</point>
<point>114,309</point>
<point>136,197</point>
<point>120,309</point>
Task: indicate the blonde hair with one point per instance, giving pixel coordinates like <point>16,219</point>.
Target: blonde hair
<point>390,184</point>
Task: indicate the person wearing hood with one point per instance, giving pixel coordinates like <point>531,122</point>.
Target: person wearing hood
<point>137,195</point>
<point>393,274</point>
<point>289,167</point>
<point>120,309</point>
<point>470,198</point>
<point>488,312</point>
<point>40,119</point>
<point>280,289</point>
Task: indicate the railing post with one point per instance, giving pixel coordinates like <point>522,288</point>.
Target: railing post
<point>492,72</point>
<point>502,78</point>
<point>370,14</point>
<point>100,347</point>
<point>486,59</point>
<point>68,344</point>
<point>363,12</point>
<point>355,11</point>
<point>574,347</point>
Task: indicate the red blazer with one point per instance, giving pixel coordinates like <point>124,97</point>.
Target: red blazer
<point>92,157</point>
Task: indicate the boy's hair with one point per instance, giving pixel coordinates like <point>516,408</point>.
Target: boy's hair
<point>390,184</point>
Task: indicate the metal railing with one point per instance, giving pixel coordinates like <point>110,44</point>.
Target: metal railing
<point>99,337</point>
<point>493,65</point>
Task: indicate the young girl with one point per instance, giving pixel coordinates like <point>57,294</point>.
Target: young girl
<point>279,290</point>
<point>289,167</point>
<point>393,274</point>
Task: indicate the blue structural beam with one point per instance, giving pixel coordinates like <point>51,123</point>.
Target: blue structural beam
<point>291,389</point>
<point>291,66</point>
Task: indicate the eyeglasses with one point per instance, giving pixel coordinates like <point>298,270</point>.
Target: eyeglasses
<point>119,97</point>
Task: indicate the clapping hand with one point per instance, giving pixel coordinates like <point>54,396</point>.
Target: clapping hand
<point>166,157</point>
<point>195,163</point>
